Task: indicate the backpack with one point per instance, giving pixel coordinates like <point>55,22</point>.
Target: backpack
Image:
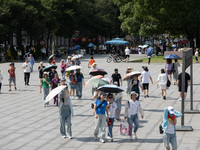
<point>173,68</point>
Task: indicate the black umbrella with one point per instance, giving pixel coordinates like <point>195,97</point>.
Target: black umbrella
<point>49,67</point>
<point>110,88</point>
<point>98,72</point>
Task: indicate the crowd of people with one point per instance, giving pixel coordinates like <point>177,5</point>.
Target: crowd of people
<point>107,106</point>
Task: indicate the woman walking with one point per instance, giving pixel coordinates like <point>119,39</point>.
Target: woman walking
<point>131,113</point>
<point>175,73</point>
<point>44,87</point>
<point>40,71</point>
<point>55,83</point>
<point>72,83</point>
<point>135,84</point>
<point>128,90</point>
<point>162,82</point>
<point>169,68</point>
<point>65,111</point>
<point>169,127</point>
<point>100,107</point>
<point>63,67</point>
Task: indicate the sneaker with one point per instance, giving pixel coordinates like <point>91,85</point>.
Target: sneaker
<point>70,137</point>
<point>147,95</point>
<point>102,141</point>
<point>15,88</point>
<point>164,97</point>
<point>180,99</point>
<point>9,90</point>
<point>76,98</point>
<point>111,139</point>
<point>63,136</point>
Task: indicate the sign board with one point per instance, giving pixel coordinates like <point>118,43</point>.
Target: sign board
<point>188,57</point>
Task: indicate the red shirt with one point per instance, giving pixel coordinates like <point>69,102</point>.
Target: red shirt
<point>11,72</point>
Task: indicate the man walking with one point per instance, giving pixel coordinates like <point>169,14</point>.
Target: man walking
<point>116,77</point>
<point>27,70</point>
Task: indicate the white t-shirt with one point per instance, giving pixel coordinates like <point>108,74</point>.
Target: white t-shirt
<point>28,68</point>
<point>170,128</point>
<point>93,69</point>
<point>127,51</point>
<point>196,53</point>
<point>1,78</point>
<point>162,78</point>
<point>112,110</point>
<point>43,50</point>
<point>134,106</point>
<point>145,77</point>
<point>117,95</point>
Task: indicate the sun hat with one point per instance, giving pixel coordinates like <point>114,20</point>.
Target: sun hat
<point>45,73</point>
<point>171,110</point>
<point>69,57</point>
<point>129,68</point>
<point>133,92</point>
<point>62,79</point>
<point>94,64</point>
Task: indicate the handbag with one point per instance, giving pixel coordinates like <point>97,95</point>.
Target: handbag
<point>125,129</point>
<point>74,82</point>
<point>161,128</point>
<point>168,82</point>
<point>109,122</point>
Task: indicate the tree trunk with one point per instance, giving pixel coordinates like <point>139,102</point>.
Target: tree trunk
<point>48,35</point>
<point>53,42</point>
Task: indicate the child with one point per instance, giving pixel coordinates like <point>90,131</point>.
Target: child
<point>112,111</point>
<point>91,61</point>
<point>1,78</point>
<point>196,55</point>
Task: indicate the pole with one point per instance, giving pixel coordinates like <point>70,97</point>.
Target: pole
<point>183,89</point>
<point>191,86</point>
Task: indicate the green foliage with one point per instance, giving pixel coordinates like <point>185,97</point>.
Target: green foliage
<point>151,17</point>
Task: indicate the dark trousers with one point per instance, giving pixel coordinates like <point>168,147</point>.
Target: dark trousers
<point>43,56</point>
<point>26,77</point>
<point>149,61</point>
<point>0,86</point>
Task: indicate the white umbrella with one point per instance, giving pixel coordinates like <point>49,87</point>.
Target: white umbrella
<point>75,57</point>
<point>54,92</point>
<point>80,55</point>
<point>73,68</point>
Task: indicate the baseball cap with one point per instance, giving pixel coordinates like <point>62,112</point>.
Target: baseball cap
<point>171,110</point>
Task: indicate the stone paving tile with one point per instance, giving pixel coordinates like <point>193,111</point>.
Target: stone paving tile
<point>25,124</point>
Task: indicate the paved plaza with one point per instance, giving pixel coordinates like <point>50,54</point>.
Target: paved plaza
<point>26,125</point>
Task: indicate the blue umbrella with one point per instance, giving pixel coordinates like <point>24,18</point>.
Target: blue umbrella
<point>90,45</point>
<point>149,51</point>
<point>76,47</point>
<point>117,41</point>
<point>171,56</point>
<point>49,67</point>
